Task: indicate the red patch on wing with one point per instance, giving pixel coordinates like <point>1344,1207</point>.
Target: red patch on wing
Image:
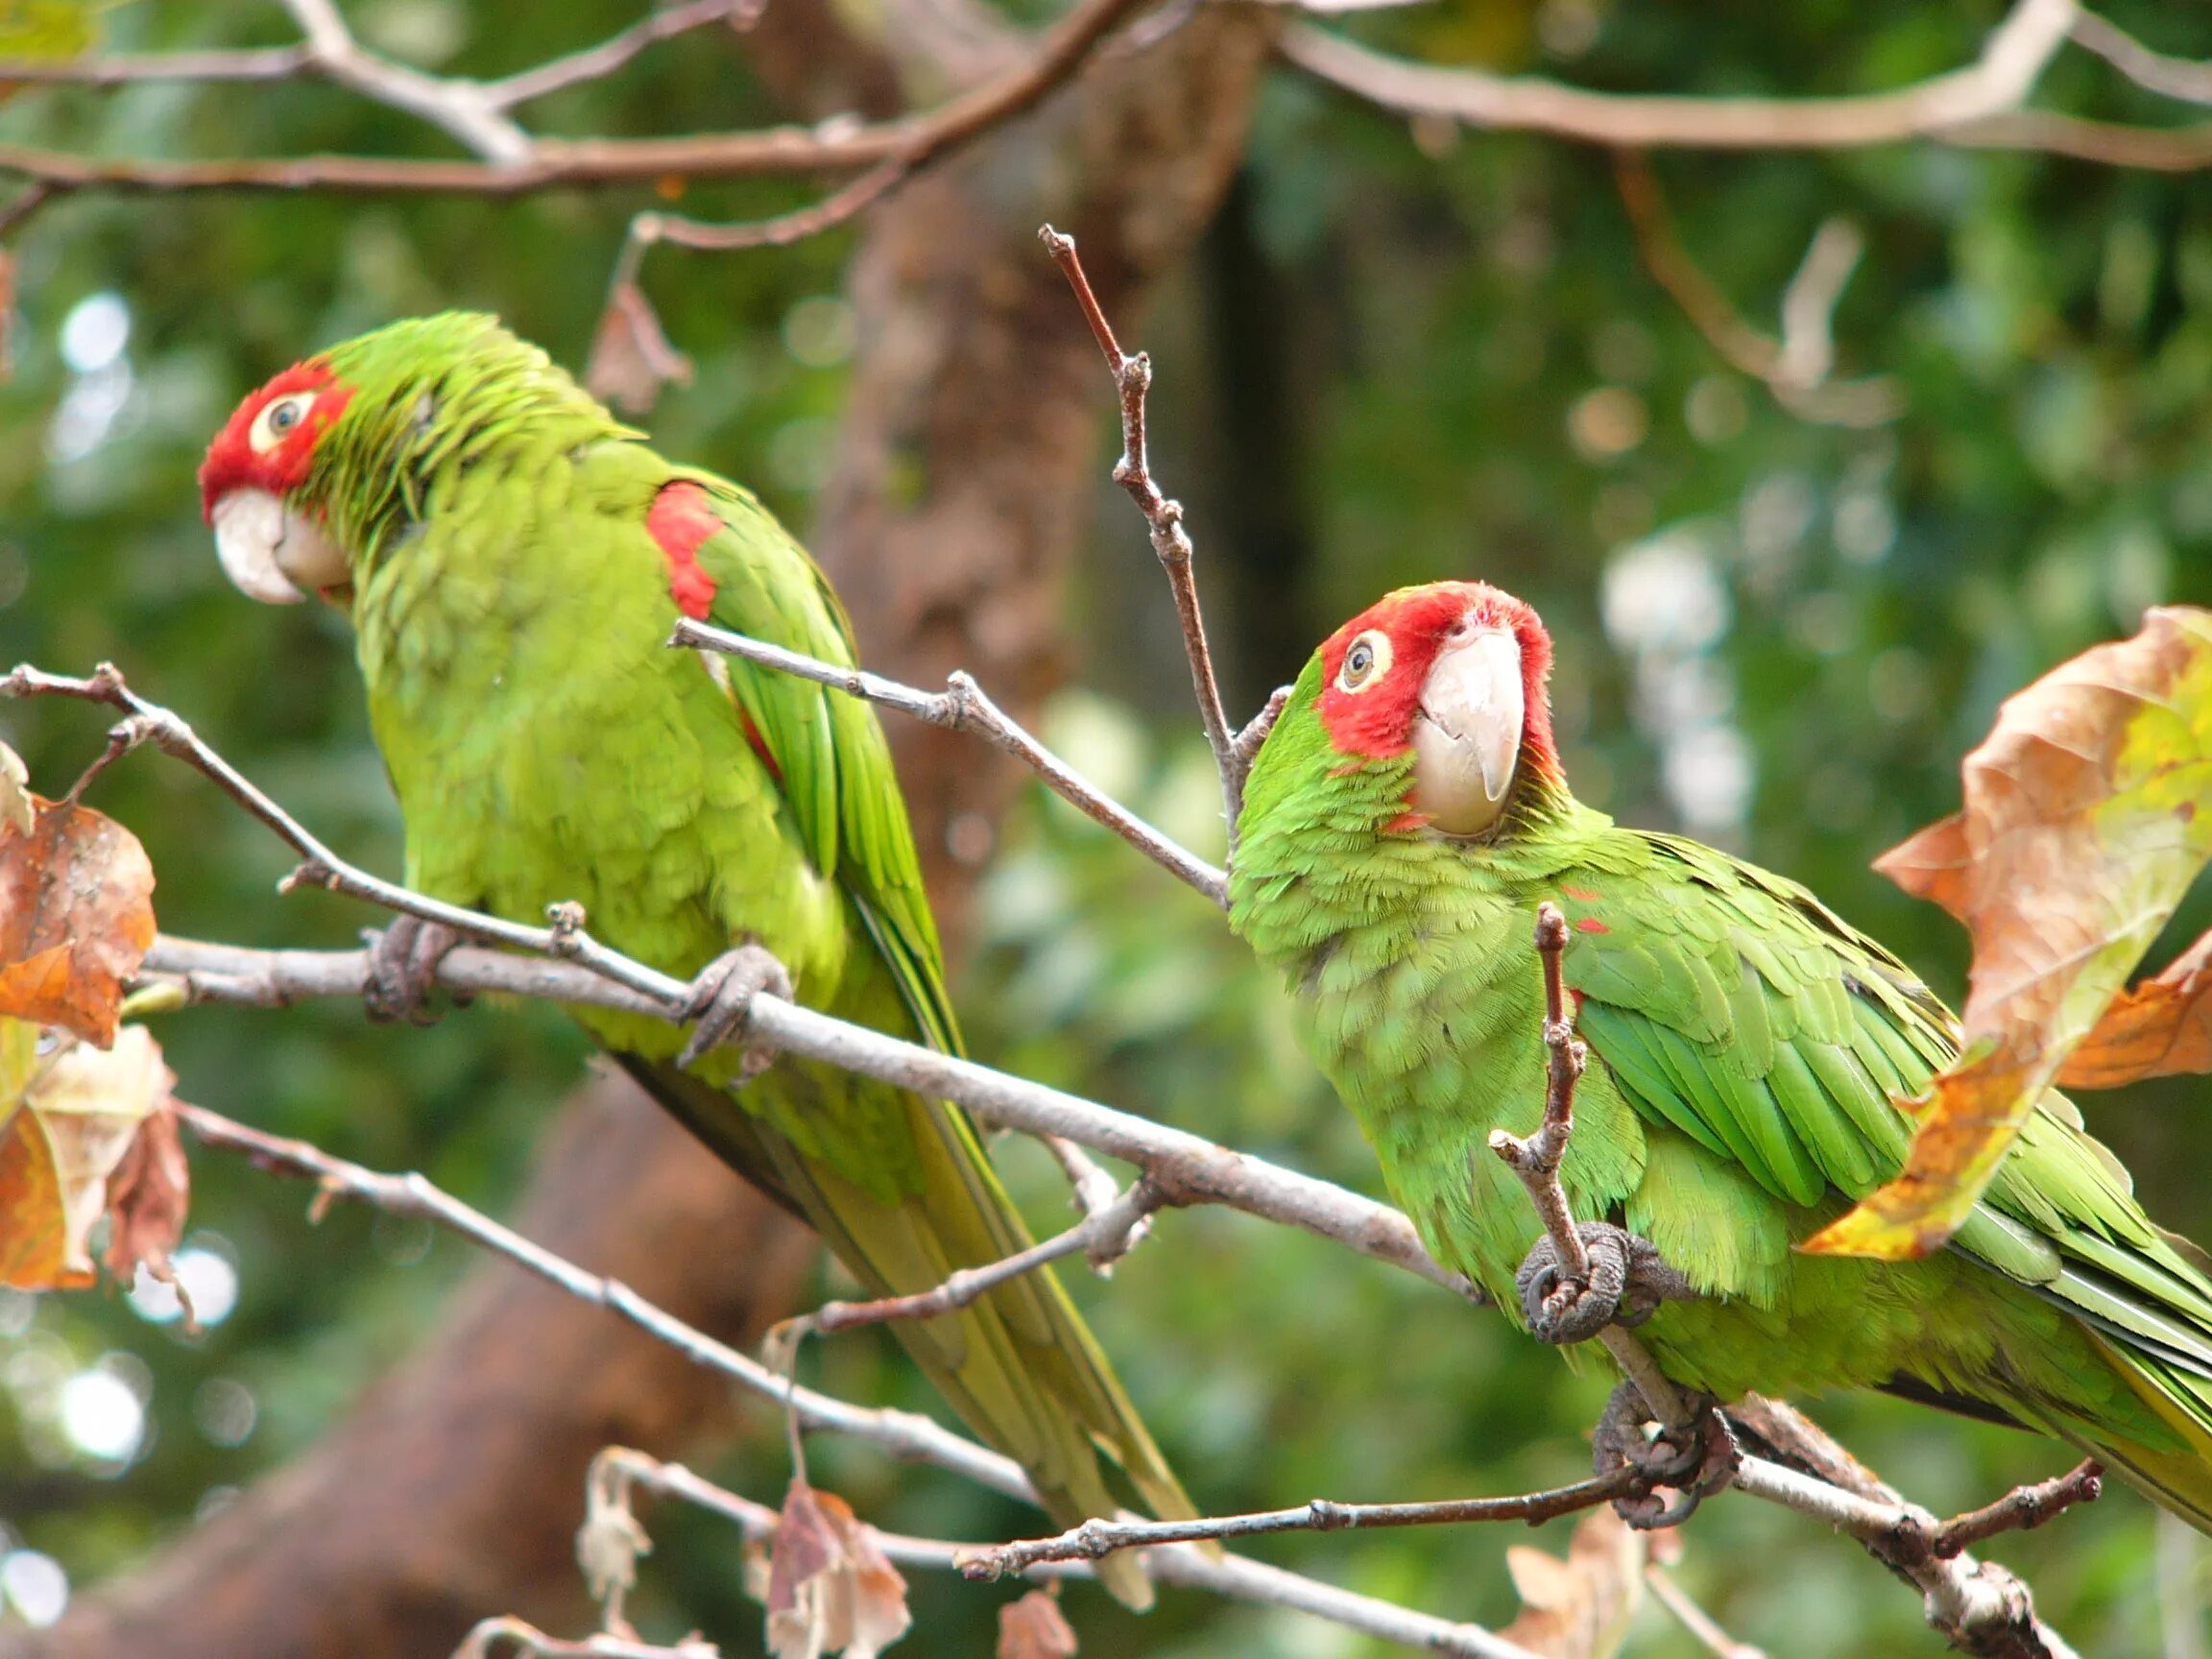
<point>1591,925</point>
<point>233,464</point>
<point>682,519</point>
<point>760,747</point>
<point>1587,895</point>
<point>1376,721</point>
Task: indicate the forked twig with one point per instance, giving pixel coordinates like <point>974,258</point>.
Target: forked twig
<point>1164,517</point>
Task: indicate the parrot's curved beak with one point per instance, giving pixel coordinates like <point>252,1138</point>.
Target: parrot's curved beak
<point>272,553</point>
<point>1467,732</point>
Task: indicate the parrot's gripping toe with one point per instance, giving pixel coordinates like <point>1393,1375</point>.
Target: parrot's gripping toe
<point>1626,1281</point>
<point>402,968</point>
<point>1691,1463</point>
<point>722,1004</point>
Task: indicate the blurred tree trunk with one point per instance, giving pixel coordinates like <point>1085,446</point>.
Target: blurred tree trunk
<point>970,452</point>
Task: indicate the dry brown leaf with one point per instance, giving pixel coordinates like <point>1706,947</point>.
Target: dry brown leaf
<point>149,1191</point>
<point>2163,1025</point>
<point>76,918</point>
<point>69,1132</point>
<point>1034,1627</point>
<point>631,356</point>
<point>1579,1608</point>
<point>2081,832</point>
<point>830,1587</point>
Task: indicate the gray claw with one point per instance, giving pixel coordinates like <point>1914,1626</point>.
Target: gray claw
<point>1627,1281</point>
<point>402,969</point>
<point>722,1003</point>
<point>1692,1462</point>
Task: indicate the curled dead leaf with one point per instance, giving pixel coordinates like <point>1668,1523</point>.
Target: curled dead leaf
<point>2081,831</point>
<point>1581,1607</point>
<point>149,1191</point>
<point>76,916</point>
<point>631,357</point>
<point>2161,1026</point>
<point>1033,1628</point>
<point>72,1128</point>
<point>830,1587</point>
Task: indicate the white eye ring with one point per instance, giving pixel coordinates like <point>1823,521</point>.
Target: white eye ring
<point>1366,661</point>
<point>279,421</point>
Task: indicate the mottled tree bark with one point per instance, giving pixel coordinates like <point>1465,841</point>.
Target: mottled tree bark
<point>968,462</point>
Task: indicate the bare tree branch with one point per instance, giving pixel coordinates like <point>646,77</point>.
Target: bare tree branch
<point>2182,77</point>
<point>466,109</point>
<point>1795,368</point>
<point>1164,517</point>
<point>1184,1168</point>
<point>964,706</point>
<point>458,107</point>
<point>1224,1575</point>
<point>2012,62</point>
<point>597,63</point>
<point>1095,1539</point>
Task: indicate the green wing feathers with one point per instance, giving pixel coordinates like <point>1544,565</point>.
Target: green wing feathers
<point>1019,1365</point>
<point>1728,1005</point>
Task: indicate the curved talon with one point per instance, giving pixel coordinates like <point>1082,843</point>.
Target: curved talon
<point>402,968</point>
<point>722,1002</point>
<point>1692,1462</point>
<point>1627,1281</point>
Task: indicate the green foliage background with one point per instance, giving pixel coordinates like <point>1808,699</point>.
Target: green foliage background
<point>1370,376</point>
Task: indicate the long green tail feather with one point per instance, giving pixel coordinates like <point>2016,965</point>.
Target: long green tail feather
<point>1019,1365</point>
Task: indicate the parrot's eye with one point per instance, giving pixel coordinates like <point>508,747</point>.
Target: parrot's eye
<point>1369,656</point>
<point>276,421</point>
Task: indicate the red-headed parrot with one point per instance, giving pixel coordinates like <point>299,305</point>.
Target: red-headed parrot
<point>512,559</point>
<point>1404,819</point>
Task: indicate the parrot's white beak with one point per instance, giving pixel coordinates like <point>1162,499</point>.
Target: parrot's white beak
<point>272,553</point>
<point>1467,734</point>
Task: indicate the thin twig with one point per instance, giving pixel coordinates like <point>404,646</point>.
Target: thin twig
<point>597,63</point>
<point>1702,1625</point>
<point>2021,1509</point>
<point>1163,518</point>
<point>780,231</point>
<point>1096,1539</point>
<point>1537,1159</point>
<point>1221,1573</point>
<point>965,707</point>
<point>1101,1230</point>
<point>902,1434</point>
<point>458,107</point>
<point>1795,368</point>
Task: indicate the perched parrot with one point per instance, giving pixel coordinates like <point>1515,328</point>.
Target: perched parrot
<point>1404,821</point>
<point>513,559</point>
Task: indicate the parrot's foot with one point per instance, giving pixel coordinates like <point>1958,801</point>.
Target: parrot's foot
<point>1628,1278</point>
<point>722,1002</point>
<point>403,966</point>
<point>1692,1462</point>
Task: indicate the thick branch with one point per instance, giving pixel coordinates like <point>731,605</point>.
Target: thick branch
<point>1999,82</point>
<point>965,707</point>
<point>1183,1167</point>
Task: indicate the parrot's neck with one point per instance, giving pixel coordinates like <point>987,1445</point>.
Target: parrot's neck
<point>410,435</point>
<point>1319,863</point>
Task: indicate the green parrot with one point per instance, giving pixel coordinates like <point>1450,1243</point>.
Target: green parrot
<point>1404,821</point>
<point>513,559</point>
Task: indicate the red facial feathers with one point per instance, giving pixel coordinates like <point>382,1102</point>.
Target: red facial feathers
<point>1377,721</point>
<point>232,462</point>
<point>682,517</point>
